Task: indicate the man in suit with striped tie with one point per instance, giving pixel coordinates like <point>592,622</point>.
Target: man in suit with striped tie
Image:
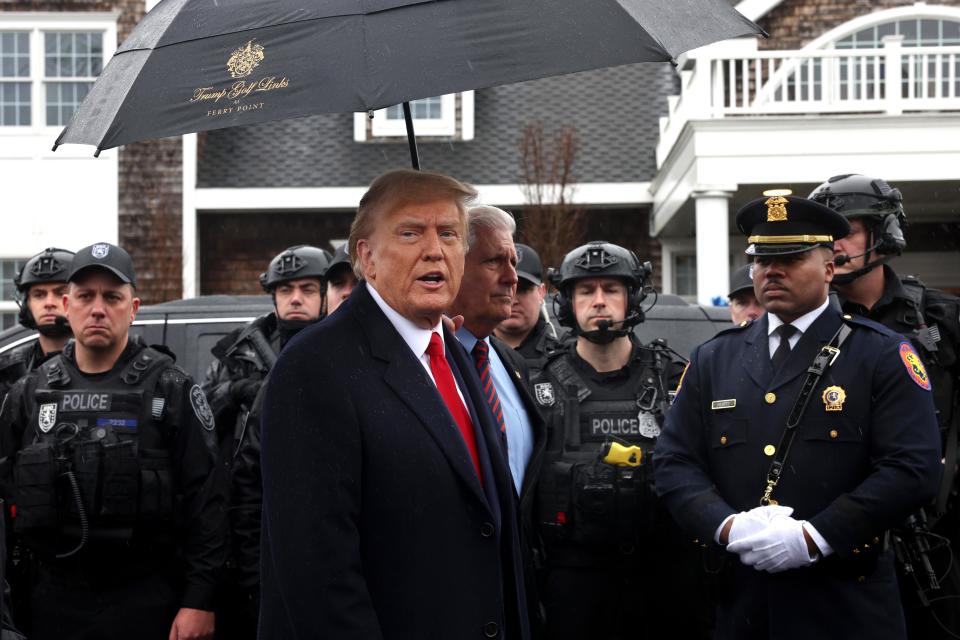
<point>485,300</point>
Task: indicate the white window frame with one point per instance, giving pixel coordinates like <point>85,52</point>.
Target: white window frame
<point>382,128</point>
<point>38,23</point>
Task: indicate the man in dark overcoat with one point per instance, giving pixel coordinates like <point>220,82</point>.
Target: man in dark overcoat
<point>388,508</point>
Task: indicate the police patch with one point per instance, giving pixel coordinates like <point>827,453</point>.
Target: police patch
<point>200,407</point>
<point>915,368</point>
<point>47,416</point>
<point>544,393</point>
<point>100,251</point>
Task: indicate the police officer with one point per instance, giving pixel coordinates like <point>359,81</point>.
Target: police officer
<point>743,301</point>
<point>40,286</point>
<point>340,279</point>
<point>796,441</point>
<point>528,329</point>
<point>295,280</point>
<point>109,453</point>
<point>604,397</point>
<point>930,319</point>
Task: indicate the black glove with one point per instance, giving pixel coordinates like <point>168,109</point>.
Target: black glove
<point>244,391</point>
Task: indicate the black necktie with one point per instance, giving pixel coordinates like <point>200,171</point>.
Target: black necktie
<point>783,349</point>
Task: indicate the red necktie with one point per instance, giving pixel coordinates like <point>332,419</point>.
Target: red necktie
<point>448,389</point>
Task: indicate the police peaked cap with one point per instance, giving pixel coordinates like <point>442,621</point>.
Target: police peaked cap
<point>529,266</point>
<point>741,280</point>
<point>50,265</point>
<point>107,257</point>
<point>781,225</point>
<point>301,261</point>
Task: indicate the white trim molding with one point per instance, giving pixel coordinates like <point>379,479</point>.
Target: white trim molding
<point>338,198</point>
<point>454,123</point>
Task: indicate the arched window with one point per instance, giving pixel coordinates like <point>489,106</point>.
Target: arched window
<point>916,32</point>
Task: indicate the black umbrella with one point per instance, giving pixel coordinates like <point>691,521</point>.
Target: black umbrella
<point>195,65</point>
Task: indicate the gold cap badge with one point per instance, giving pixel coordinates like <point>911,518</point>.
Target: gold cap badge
<point>776,209</point>
<point>244,60</point>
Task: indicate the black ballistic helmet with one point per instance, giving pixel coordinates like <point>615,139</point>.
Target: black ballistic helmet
<point>856,196</point>
<point>301,261</point>
<point>50,265</point>
<point>600,259</point>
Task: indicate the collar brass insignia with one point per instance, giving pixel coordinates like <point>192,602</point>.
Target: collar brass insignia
<point>776,209</point>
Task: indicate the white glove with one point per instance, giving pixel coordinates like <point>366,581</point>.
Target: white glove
<point>779,547</point>
<point>747,523</point>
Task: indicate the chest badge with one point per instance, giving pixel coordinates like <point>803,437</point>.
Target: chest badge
<point>544,393</point>
<point>48,416</point>
<point>833,398</point>
<point>648,426</point>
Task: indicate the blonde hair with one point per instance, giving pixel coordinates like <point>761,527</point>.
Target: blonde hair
<point>400,187</point>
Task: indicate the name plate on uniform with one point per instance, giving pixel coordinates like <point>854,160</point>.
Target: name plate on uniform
<point>85,401</point>
<point>717,405</point>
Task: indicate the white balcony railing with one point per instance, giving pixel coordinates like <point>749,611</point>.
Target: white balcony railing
<point>889,80</point>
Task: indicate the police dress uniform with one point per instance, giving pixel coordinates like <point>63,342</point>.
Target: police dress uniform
<point>865,454</point>
<point>118,495</point>
<point>609,571</point>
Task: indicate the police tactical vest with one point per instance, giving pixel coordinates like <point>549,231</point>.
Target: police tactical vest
<point>583,500</point>
<point>99,462</point>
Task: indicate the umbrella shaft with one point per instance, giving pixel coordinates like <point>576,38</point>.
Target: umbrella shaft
<point>411,136</point>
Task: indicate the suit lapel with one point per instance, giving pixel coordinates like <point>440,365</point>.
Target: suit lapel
<point>806,349</point>
<point>756,353</point>
<point>406,376</point>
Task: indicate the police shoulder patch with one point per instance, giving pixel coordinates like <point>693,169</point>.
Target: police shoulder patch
<point>47,416</point>
<point>914,366</point>
<point>200,407</point>
<point>544,393</point>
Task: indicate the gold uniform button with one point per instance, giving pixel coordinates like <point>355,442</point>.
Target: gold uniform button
<point>723,439</point>
<point>861,579</point>
<point>769,449</point>
<point>834,434</point>
<point>770,398</point>
<point>856,552</point>
<point>847,316</point>
<point>876,541</point>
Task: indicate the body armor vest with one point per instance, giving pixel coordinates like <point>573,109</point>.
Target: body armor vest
<point>582,499</point>
<point>98,463</point>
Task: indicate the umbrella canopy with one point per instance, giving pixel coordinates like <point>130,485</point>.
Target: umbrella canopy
<point>195,65</point>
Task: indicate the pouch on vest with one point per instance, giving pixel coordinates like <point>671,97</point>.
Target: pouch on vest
<point>121,477</point>
<point>156,485</point>
<point>35,474</point>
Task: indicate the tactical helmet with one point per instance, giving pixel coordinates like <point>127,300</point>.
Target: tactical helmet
<point>301,261</point>
<point>600,259</point>
<point>50,265</point>
<point>858,196</point>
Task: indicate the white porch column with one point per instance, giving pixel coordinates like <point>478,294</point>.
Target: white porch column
<point>713,250</point>
<point>191,259</point>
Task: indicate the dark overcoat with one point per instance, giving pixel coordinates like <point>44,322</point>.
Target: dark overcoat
<point>375,524</point>
<point>855,470</point>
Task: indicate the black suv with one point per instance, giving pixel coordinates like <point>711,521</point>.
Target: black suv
<point>191,327</point>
